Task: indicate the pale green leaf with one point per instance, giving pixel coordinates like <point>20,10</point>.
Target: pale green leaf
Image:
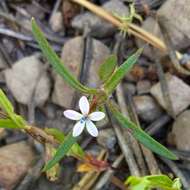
<point>152,182</point>
<point>160,180</point>
<point>140,135</point>
<point>7,107</point>
<point>5,104</point>
<point>121,71</point>
<point>57,64</point>
<point>107,68</point>
<point>177,184</point>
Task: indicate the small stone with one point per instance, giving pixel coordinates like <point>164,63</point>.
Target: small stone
<point>181,131</point>
<point>107,138</point>
<point>175,16</point>
<point>129,88</point>
<point>100,53</point>
<point>179,94</point>
<point>24,77</point>
<point>15,161</point>
<point>56,22</point>
<point>100,27</point>
<point>72,55</point>
<point>147,108</point>
<point>143,87</point>
<point>150,25</point>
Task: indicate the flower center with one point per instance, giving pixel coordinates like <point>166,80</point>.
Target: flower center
<point>83,119</point>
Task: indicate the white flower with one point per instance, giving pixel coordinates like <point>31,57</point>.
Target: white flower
<point>85,119</point>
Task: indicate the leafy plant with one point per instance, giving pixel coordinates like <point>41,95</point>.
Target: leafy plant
<point>100,96</point>
<point>153,181</point>
<point>67,144</point>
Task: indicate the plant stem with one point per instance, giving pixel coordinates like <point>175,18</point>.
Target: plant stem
<point>131,28</point>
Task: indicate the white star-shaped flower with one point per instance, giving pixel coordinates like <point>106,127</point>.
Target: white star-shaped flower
<point>85,119</point>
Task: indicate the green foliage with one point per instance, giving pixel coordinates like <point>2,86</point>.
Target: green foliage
<point>111,76</point>
<point>62,150</point>
<point>75,151</point>
<point>153,181</point>
<point>120,73</point>
<point>107,68</point>
<point>13,120</point>
<point>7,123</point>
<point>57,64</point>
<point>140,135</point>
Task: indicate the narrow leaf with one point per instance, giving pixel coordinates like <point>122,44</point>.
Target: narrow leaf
<point>107,68</point>
<point>61,151</point>
<point>5,104</point>
<point>7,123</point>
<point>75,151</point>
<point>140,135</point>
<point>7,107</point>
<point>119,74</point>
<point>55,61</point>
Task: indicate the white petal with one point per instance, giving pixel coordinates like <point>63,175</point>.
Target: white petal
<point>91,128</point>
<point>73,115</point>
<point>96,116</point>
<point>84,105</point>
<point>78,128</point>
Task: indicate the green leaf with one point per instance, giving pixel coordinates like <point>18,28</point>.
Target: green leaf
<point>5,104</point>
<point>7,107</point>
<point>62,150</point>
<point>7,123</point>
<point>137,183</point>
<point>75,151</point>
<point>140,135</point>
<point>107,68</point>
<point>121,71</point>
<point>56,133</point>
<point>55,61</point>
<point>160,180</point>
<point>152,182</point>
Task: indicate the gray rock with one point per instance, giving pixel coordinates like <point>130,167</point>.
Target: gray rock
<point>15,161</point>
<point>72,54</point>
<point>143,87</point>
<point>100,53</point>
<point>181,131</point>
<point>147,108</point>
<point>179,94</point>
<point>150,25</point>
<point>129,87</point>
<point>107,138</point>
<point>72,57</point>
<point>99,27</point>
<point>176,16</point>
<point>27,75</point>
